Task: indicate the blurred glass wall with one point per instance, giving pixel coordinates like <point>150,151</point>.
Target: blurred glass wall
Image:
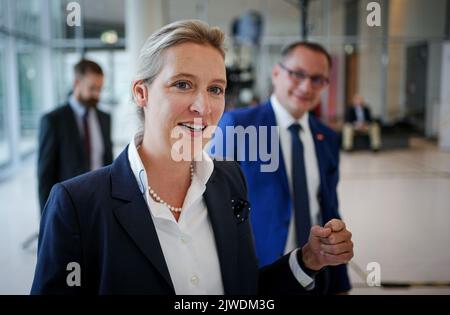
<point>396,66</point>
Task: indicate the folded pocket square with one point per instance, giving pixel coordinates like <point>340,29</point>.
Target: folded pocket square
<point>241,209</point>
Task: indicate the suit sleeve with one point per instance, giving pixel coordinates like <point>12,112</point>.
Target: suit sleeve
<point>59,247</point>
<point>337,276</point>
<point>104,120</point>
<point>47,159</point>
<point>334,176</point>
<point>278,277</point>
<point>348,115</point>
<point>109,147</point>
<point>110,157</point>
<point>369,114</point>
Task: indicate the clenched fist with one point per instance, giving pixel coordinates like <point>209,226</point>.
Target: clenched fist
<point>330,245</point>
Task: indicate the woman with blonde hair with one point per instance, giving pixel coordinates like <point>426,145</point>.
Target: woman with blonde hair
<point>164,218</point>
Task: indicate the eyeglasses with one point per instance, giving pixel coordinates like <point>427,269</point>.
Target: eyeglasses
<point>317,81</point>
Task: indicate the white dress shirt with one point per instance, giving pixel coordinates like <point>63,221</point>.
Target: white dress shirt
<point>360,114</point>
<point>189,245</point>
<point>284,120</point>
<point>96,138</point>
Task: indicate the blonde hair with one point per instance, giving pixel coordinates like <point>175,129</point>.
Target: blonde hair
<point>151,56</point>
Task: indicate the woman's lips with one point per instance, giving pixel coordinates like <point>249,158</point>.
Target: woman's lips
<point>193,130</point>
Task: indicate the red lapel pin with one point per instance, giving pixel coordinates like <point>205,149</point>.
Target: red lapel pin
<point>320,137</point>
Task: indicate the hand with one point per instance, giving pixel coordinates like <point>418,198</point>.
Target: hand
<point>361,127</point>
<point>330,245</point>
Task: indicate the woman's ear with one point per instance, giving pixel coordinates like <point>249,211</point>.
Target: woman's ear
<point>140,93</point>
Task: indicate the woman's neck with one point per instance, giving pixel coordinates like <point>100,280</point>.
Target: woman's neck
<point>169,178</point>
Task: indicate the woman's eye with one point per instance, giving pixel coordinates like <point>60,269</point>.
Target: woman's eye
<point>182,85</point>
<point>216,90</point>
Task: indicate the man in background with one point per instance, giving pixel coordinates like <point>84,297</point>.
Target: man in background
<point>358,119</point>
<point>76,137</point>
<point>302,191</point>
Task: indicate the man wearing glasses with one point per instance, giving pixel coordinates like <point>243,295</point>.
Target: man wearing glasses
<point>302,192</point>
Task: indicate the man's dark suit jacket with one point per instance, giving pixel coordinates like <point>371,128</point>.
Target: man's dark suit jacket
<point>350,115</point>
<point>101,221</point>
<point>61,151</point>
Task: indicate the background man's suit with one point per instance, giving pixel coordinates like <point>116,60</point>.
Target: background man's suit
<point>351,116</point>
<point>362,115</point>
<point>61,152</point>
<point>269,193</point>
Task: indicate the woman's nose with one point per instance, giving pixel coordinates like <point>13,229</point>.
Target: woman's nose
<point>201,104</point>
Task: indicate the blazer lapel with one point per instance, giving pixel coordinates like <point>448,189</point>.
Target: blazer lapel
<point>134,216</point>
<point>218,201</point>
<point>104,131</point>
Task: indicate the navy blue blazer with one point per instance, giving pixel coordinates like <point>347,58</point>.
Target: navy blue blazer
<point>101,221</point>
<point>269,191</point>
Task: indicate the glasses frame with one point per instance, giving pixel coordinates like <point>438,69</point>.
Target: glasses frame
<point>317,81</point>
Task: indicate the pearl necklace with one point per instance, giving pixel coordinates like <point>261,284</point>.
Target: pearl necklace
<point>157,198</point>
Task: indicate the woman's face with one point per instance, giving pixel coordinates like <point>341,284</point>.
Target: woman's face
<point>186,99</point>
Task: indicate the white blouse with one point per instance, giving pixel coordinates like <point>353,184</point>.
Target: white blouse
<point>189,245</point>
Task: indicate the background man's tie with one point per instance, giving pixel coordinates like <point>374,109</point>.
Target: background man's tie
<point>300,187</point>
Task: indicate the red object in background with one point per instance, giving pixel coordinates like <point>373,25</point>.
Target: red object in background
<point>331,109</point>
<point>333,89</point>
<point>318,110</point>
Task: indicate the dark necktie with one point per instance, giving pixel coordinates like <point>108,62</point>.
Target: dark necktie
<point>300,187</point>
<point>87,139</point>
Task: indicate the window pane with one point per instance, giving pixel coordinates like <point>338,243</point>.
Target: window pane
<point>27,17</point>
<point>61,85</point>
<point>2,13</point>
<point>59,13</point>
<point>103,15</point>
<point>97,17</point>
<point>5,154</point>
<point>30,87</point>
